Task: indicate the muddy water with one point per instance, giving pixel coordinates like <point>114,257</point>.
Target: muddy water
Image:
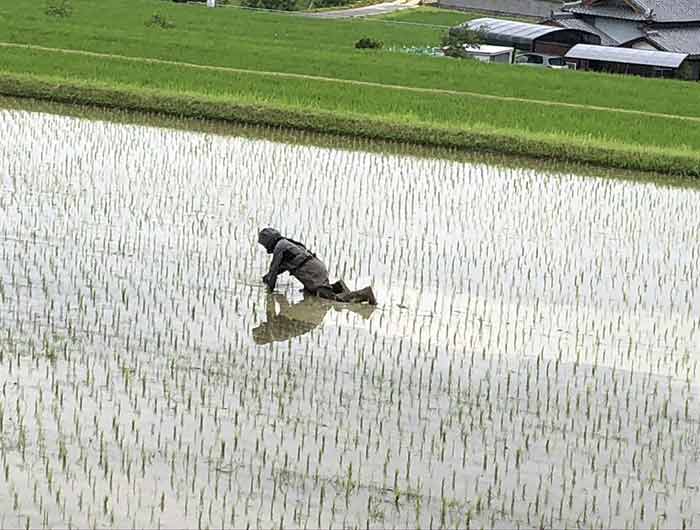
<point>533,360</point>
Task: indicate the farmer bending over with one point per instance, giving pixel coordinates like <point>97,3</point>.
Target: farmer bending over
<point>293,257</point>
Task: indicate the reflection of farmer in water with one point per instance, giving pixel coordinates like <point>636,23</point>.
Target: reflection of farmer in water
<point>293,257</point>
<point>296,319</point>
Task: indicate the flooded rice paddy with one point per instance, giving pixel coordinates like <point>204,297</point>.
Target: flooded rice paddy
<point>533,361</point>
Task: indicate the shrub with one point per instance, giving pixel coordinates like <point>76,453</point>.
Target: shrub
<point>161,21</point>
<point>278,5</point>
<point>59,8</point>
<point>368,43</point>
<point>329,3</point>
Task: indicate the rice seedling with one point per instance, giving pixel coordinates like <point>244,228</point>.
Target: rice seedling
<point>533,363</point>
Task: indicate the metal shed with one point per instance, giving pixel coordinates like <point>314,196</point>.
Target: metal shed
<point>648,63</point>
<point>530,37</point>
<point>487,53</point>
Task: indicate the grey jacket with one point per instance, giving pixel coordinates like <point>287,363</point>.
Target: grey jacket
<point>287,256</point>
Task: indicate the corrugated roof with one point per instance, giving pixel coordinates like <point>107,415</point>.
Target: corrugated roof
<point>569,21</point>
<point>680,40</point>
<point>626,56</point>
<point>651,10</point>
<point>509,30</point>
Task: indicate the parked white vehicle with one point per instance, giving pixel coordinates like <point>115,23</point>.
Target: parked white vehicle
<point>541,60</point>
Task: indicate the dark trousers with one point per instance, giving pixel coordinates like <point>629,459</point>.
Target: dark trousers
<point>338,292</point>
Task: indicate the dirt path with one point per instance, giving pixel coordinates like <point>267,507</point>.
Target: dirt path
<point>528,8</point>
<point>350,82</point>
<point>376,9</point>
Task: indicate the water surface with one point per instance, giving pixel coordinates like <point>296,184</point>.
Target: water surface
<point>533,361</point>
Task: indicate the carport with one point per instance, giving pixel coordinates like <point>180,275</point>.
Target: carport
<point>647,63</point>
<point>529,37</point>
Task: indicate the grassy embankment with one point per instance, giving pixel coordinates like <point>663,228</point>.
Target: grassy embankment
<point>304,73</point>
<point>439,17</point>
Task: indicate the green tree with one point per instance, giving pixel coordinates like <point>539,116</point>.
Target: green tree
<point>456,38</point>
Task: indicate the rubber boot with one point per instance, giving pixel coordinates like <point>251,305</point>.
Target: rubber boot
<point>339,287</point>
<point>363,295</point>
<point>368,295</point>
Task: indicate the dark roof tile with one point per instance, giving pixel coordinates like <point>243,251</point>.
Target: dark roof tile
<point>652,10</point>
<point>679,39</point>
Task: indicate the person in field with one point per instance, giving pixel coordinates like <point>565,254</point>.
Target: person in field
<point>293,257</point>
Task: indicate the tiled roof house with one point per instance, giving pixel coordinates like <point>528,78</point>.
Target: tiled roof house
<point>666,25</point>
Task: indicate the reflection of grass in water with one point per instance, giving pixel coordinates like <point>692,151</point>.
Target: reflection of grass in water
<point>337,142</point>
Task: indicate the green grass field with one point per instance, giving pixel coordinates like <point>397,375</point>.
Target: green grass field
<point>288,44</point>
<point>430,15</point>
<point>435,16</point>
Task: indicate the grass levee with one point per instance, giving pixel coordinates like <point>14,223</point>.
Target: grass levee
<point>399,96</point>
